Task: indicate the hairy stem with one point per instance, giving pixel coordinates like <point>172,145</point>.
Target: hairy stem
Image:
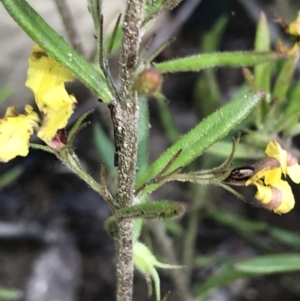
<point>127,121</point>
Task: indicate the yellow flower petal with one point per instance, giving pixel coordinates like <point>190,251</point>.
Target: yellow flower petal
<point>56,115</point>
<point>270,176</point>
<point>294,173</point>
<point>277,197</point>
<point>15,131</point>
<point>46,79</point>
<point>294,27</point>
<point>273,176</point>
<point>274,150</point>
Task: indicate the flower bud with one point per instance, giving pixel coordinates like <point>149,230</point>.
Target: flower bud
<point>59,140</point>
<point>148,82</point>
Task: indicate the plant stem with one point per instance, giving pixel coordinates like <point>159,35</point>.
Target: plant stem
<point>127,117</point>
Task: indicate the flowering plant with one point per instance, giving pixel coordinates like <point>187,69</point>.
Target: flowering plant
<point>54,62</point>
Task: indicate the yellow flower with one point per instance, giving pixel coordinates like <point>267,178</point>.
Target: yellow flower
<point>278,162</point>
<point>46,79</point>
<point>15,131</point>
<point>277,197</point>
<point>273,192</point>
<point>294,27</point>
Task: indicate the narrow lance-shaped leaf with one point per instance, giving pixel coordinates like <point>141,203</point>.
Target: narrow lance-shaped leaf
<point>244,151</point>
<point>218,280</point>
<point>284,79</point>
<point>147,210</point>
<point>152,210</point>
<point>212,40</point>
<point>35,26</point>
<point>270,264</point>
<point>292,112</point>
<point>105,147</point>
<point>205,134</point>
<point>261,265</point>
<point>207,85</point>
<point>262,73</point>
<point>218,59</point>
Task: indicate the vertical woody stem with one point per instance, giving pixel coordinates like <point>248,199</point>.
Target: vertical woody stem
<point>127,115</point>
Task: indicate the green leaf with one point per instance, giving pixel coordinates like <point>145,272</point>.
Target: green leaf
<point>243,151</point>
<point>35,26</point>
<point>205,134</point>
<point>292,112</point>
<point>104,146</point>
<point>211,40</point>
<point>11,175</point>
<point>285,237</point>
<point>152,210</point>
<point>223,278</point>
<point>262,72</point>
<point>117,40</point>
<point>95,9</point>
<point>235,222</point>
<point>270,264</point>
<point>267,264</point>
<point>207,87</point>
<point>166,120</point>
<point>284,79</point>
<point>294,131</point>
<point>207,93</point>
<point>217,59</point>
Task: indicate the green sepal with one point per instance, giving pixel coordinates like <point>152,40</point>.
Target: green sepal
<point>79,124</point>
<point>35,26</point>
<point>208,177</point>
<point>262,72</point>
<point>146,263</point>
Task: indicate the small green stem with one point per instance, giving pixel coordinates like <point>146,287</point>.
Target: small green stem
<point>72,162</point>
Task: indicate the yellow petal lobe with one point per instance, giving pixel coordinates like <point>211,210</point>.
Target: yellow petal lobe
<point>46,79</point>
<point>294,173</point>
<point>277,197</point>
<point>294,27</point>
<point>15,131</point>
<point>274,150</point>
